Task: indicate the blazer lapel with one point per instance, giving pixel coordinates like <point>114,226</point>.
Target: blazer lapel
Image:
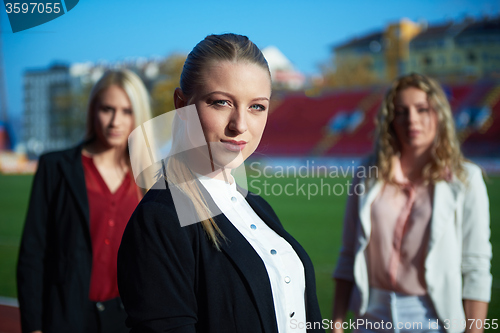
<point>72,170</point>
<point>274,224</point>
<point>443,210</point>
<point>239,250</point>
<point>364,209</point>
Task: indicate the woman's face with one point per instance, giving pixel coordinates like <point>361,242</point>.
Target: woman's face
<point>232,105</point>
<point>415,122</point>
<point>114,117</point>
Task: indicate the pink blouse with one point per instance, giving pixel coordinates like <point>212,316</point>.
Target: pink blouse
<point>400,218</point>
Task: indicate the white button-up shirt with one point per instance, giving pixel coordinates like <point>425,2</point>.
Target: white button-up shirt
<point>284,267</point>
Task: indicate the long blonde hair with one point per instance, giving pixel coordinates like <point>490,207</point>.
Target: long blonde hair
<point>214,48</point>
<point>446,156</point>
<point>139,100</point>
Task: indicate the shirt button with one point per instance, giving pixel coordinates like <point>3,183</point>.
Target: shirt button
<point>253,226</point>
<point>106,241</point>
<point>233,199</point>
<point>273,252</point>
<point>111,223</point>
<point>287,279</point>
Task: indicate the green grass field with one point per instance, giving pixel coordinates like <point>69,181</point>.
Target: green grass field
<point>316,222</point>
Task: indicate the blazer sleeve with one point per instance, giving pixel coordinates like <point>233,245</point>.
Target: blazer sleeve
<point>345,264</point>
<point>30,266</point>
<point>156,271</point>
<point>476,246</point>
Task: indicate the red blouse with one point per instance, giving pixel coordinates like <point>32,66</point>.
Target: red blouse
<point>109,214</point>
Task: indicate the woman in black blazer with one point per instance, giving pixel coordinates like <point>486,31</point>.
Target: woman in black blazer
<point>197,255</point>
<point>59,280</point>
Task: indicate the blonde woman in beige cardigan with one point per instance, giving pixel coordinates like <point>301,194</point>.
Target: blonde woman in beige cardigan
<point>416,241</point>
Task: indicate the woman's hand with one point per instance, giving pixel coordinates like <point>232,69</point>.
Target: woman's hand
<point>340,302</point>
<point>339,329</point>
<point>475,310</point>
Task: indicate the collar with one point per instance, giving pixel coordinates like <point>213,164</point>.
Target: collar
<point>215,185</point>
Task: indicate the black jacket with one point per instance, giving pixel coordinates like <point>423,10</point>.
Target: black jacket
<point>172,279</point>
<point>55,259</point>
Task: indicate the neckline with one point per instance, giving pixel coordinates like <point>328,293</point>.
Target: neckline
<point>232,181</point>
<point>100,179</point>
<point>217,186</point>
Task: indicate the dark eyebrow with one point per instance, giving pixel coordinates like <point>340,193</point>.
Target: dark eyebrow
<point>423,104</point>
<point>104,105</point>
<point>231,96</point>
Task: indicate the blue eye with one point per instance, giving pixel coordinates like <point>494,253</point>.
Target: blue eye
<point>258,107</point>
<point>220,102</point>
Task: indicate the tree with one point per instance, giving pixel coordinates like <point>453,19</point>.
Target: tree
<point>163,91</point>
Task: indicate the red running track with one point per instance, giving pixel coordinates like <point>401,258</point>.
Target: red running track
<point>9,319</point>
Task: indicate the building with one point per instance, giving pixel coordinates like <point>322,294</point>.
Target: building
<point>375,58</point>
<point>48,116</point>
<point>453,51</point>
<point>465,51</point>
<point>397,39</point>
<point>360,61</point>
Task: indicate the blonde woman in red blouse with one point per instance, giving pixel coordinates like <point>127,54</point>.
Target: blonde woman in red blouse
<point>80,203</point>
<point>416,251</point>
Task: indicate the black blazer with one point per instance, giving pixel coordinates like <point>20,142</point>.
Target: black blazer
<point>172,279</point>
<point>55,259</point>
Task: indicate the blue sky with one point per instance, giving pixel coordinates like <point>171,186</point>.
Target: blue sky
<point>115,29</point>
